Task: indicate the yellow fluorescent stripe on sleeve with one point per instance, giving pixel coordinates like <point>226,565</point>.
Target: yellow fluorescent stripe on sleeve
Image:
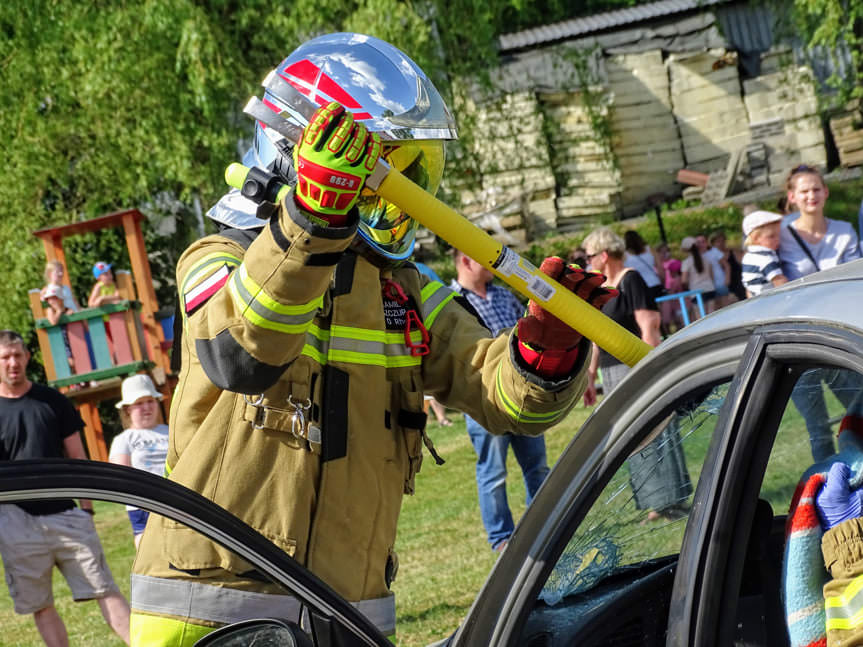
<point>427,292</point>
<point>517,413</point>
<point>206,265</point>
<point>270,303</point>
<point>253,317</point>
<point>845,623</point>
<point>848,594</point>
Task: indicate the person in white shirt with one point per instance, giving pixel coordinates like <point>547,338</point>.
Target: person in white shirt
<point>144,442</point>
<point>697,274</point>
<point>640,257</point>
<point>761,269</point>
<point>810,241</point>
<point>719,267</point>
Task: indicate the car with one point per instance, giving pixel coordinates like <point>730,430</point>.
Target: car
<point>588,565</point>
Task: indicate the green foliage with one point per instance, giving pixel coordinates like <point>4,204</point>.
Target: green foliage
<point>827,26</point>
<point>107,106</point>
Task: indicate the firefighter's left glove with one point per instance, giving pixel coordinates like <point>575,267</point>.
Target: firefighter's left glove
<point>333,160</point>
<point>547,344</point>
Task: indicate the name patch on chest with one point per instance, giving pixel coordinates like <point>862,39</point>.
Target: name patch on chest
<point>395,314</point>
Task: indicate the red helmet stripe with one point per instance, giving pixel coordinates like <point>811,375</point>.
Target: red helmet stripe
<point>309,79</point>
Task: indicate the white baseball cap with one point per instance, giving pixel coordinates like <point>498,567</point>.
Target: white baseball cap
<point>687,243</point>
<point>758,219</point>
<point>51,290</point>
<point>136,387</point>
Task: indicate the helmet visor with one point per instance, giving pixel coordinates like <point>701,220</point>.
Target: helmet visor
<point>386,227</point>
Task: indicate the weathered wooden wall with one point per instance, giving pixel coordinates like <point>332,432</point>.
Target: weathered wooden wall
<point>537,145</point>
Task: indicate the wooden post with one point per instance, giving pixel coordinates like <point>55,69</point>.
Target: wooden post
<point>42,335</point>
<point>146,293</point>
<point>93,431</point>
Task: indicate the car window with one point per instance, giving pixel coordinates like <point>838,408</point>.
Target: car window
<point>807,431</point>
<point>642,512</point>
<point>83,620</point>
<point>634,529</point>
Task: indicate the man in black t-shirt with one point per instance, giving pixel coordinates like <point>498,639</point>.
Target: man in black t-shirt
<point>37,421</point>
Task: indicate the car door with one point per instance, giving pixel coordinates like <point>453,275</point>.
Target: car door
<point>328,617</point>
<point>585,567</point>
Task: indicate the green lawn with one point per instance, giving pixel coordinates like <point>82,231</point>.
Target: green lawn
<point>444,557</point>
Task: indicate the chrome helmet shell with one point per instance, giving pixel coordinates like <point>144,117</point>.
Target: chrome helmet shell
<point>387,92</point>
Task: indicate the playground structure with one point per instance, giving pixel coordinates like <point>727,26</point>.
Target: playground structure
<point>106,343</point>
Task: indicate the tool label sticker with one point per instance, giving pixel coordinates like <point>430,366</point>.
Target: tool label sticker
<point>540,288</point>
<point>509,263</point>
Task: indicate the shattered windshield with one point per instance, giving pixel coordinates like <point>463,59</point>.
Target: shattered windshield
<point>641,514</point>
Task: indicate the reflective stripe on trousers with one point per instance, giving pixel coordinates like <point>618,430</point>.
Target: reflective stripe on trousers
<point>223,605</point>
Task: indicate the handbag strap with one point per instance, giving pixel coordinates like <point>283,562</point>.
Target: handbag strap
<point>652,269</point>
<point>804,247</point>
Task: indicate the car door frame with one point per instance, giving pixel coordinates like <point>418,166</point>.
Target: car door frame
<point>710,568</point>
<point>74,479</point>
<point>645,397</point>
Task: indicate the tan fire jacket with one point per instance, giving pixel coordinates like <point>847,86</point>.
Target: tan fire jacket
<point>842,547</point>
<point>299,406</point>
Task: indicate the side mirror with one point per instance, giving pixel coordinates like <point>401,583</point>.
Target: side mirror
<point>269,632</point>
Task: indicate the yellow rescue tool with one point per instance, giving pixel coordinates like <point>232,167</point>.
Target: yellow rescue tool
<point>506,264</point>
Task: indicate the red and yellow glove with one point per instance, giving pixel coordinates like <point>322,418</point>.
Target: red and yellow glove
<point>547,344</point>
<point>333,160</point>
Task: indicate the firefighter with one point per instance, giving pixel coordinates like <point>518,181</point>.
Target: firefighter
<point>308,342</point>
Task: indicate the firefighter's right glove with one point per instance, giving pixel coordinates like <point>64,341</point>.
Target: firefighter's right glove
<point>836,502</point>
<point>333,160</point>
<point>547,344</point>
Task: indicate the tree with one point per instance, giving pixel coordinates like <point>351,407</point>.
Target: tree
<point>835,26</point>
<point>106,106</point>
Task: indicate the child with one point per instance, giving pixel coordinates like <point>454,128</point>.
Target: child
<point>143,444</point>
<point>105,290</point>
<point>761,269</point>
<point>52,295</point>
<point>670,309</point>
<point>54,278</point>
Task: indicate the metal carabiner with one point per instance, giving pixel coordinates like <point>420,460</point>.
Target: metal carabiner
<point>298,421</point>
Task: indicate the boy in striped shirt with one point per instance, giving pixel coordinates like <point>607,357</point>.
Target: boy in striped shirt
<point>761,269</point>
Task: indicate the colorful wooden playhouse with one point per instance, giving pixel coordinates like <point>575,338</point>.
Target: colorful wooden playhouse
<point>138,341</point>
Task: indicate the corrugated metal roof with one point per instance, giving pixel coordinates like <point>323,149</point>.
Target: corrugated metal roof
<point>599,22</point>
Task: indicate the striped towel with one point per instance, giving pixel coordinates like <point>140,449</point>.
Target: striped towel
<point>804,575</point>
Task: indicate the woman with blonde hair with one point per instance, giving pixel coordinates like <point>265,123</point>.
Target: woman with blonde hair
<point>810,242</point>
<point>657,473</point>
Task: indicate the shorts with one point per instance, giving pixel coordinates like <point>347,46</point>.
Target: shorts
<point>705,296</point>
<point>722,290</point>
<point>138,519</point>
<point>31,545</point>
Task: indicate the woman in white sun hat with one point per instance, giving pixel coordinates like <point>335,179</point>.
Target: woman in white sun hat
<point>144,442</point>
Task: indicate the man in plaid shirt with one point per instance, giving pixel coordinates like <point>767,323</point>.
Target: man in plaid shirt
<point>498,309</point>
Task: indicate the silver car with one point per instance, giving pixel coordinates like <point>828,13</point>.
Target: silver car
<point>719,423</point>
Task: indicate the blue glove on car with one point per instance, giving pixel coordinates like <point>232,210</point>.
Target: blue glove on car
<point>836,502</point>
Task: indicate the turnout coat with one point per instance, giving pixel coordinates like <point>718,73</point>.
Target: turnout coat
<point>299,406</point>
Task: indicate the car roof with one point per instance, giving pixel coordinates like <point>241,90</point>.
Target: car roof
<point>831,296</point>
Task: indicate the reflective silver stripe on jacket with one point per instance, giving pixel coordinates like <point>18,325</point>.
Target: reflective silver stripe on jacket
<point>186,599</point>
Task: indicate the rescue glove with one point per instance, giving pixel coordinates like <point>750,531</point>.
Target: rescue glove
<point>835,501</point>
<point>547,344</point>
<point>332,161</point>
